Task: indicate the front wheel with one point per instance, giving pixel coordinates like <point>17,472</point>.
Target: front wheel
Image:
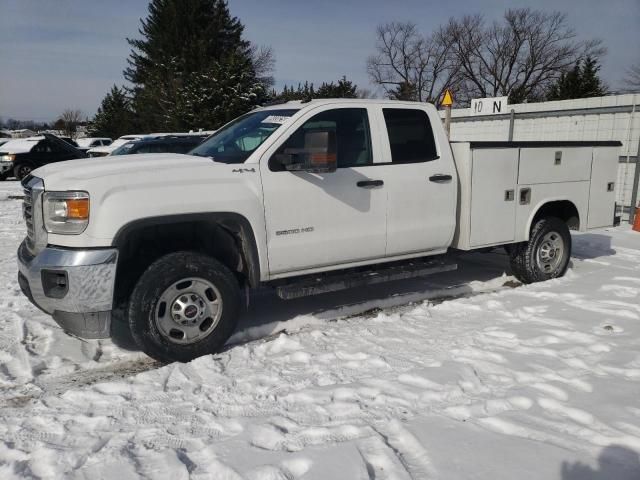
<point>546,254</point>
<point>185,305</point>
<point>21,170</point>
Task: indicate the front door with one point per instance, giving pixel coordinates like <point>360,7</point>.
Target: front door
<point>325,219</point>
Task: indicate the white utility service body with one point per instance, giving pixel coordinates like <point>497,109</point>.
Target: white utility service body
<point>293,191</point>
<point>504,184</point>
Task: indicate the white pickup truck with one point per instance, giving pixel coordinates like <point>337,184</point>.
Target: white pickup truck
<point>303,197</point>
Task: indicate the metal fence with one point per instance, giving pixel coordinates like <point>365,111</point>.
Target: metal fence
<point>614,117</point>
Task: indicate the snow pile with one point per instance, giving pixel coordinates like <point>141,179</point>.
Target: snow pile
<point>530,382</point>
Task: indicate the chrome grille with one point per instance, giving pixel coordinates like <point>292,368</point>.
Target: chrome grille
<point>32,212</point>
<point>27,213</point>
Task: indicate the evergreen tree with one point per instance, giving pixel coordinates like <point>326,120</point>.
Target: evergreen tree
<point>592,86</point>
<point>344,89</point>
<point>582,81</point>
<point>115,116</point>
<point>404,91</point>
<point>303,92</point>
<point>192,68</point>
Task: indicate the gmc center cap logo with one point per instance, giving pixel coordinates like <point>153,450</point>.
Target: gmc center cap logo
<point>191,311</point>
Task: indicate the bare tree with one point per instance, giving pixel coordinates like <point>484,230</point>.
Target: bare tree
<point>365,93</point>
<point>632,80</point>
<point>70,120</point>
<point>519,56</point>
<point>264,63</point>
<point>410,64</point>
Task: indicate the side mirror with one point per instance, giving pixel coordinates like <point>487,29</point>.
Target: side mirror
<point>317,156</point>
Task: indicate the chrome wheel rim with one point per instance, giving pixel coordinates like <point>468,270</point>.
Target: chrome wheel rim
<point>550,252</point>
<point>188,311</point>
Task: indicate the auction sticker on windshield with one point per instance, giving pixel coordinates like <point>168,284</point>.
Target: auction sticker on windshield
<point>279,119</point>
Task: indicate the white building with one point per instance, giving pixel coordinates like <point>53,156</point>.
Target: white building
<point>22,133</point>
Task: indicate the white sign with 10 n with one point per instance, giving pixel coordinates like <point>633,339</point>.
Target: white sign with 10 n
<point>489,106</point>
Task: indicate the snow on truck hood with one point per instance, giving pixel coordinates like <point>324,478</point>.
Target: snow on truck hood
<point>127,166</point>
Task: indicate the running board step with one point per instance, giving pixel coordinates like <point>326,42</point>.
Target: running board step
<point>333,282</point>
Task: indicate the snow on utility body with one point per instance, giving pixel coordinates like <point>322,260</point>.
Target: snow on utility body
<point>304,197</point>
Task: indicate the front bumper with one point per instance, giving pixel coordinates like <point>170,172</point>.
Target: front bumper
<point>74,286</point>
<point>6,167</point>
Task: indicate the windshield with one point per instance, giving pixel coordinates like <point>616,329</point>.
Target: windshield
<point>239,139</point>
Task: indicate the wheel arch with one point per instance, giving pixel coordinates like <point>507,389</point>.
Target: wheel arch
<point>564,209</point>
<point>226,236</point>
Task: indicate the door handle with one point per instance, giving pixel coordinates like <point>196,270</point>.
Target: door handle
<point>370,183</point>
<point>440,178</point>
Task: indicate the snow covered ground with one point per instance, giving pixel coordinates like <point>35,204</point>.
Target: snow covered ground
<point>462,375</point>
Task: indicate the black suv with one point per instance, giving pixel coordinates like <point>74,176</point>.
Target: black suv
<point>19,157</point>
<point>160,144</point>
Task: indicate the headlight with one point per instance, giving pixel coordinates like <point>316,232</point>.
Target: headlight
<point>65,213</point>
<point>7,158</point>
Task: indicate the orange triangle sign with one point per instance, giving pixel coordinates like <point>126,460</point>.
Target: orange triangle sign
<point>447,100</point>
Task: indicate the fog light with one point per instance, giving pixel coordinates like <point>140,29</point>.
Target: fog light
<point>55,283</point>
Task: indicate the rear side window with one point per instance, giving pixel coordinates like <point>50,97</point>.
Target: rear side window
<point>42,147</point>
<point>410,135</point>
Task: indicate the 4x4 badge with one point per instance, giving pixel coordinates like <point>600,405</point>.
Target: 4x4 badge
<point>242,170</point>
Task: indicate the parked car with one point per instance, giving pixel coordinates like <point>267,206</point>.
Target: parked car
<point>161,144</point>
<point>304,198</point>
<point>20,156</point>
<point>93,142</point>
<point>105,150</point>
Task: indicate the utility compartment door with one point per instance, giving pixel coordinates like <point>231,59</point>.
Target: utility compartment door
<point>553,165</point>
<point>602,196</point>
<point>493,189</point>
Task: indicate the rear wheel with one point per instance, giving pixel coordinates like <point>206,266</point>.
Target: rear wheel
<point>22,169</point>
<point>546,255</point>
<point>185,305</point>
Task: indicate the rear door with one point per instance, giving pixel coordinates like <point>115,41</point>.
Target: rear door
<point>420,182</point>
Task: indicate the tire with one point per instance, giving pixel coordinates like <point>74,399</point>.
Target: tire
<point>546,255</point>
<point>22,170</point>
<point>184,305</point>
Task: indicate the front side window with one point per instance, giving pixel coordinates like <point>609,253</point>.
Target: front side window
<point>351,129</point>
<point>410,135</point>
<point>239,139</point>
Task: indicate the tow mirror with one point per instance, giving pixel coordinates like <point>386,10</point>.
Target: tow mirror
<point>317,156</point>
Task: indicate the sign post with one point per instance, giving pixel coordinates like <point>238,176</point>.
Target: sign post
<point>447,101</point>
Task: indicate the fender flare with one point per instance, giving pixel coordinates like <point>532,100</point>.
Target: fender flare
<point>248,246</point>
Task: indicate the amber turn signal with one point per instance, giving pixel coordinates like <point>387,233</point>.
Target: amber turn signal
<point>77,208</point>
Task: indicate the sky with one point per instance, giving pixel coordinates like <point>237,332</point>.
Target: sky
<point>59,54</point>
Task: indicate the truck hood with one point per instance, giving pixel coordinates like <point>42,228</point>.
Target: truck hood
<point>75,172</point>
<point>126,188</point>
